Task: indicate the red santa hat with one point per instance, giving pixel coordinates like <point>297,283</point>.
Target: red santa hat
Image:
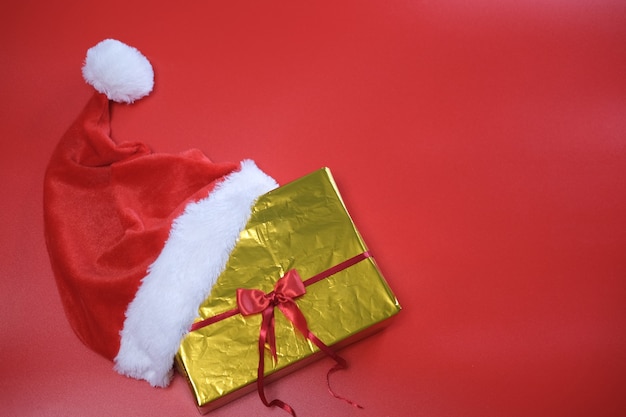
<point>137,238</point>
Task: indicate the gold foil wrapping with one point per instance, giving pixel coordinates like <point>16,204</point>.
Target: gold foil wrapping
<point>304,226</point>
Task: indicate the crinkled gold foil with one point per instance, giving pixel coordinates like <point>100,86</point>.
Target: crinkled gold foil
<point>302,225</point>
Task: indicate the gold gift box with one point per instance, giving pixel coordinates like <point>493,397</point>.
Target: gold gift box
<point>305,226</point>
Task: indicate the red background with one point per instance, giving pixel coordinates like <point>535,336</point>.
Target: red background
<point>479,145</point>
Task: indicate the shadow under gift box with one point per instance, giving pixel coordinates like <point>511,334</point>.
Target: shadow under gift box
<point>305,226</point>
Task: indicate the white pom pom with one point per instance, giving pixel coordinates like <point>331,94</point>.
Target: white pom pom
<point>119,71</point>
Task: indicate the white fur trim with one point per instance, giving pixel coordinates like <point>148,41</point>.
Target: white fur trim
<point>119,71</point>
<point>181,278</point>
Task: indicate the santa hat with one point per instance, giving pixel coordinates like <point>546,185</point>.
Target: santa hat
<point>137,238</point>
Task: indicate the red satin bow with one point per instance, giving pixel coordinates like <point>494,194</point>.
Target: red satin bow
<point>251,301</point>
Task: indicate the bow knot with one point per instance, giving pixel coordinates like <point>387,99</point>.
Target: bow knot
<point>289,287</point>
<point>276,298</point>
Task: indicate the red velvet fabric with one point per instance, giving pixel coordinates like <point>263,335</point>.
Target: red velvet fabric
<point>108,210</point>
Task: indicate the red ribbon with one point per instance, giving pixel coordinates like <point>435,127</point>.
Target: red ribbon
<point>286,289</point>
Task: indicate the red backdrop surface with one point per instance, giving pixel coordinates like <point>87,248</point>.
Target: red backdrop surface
<point>480,147</point>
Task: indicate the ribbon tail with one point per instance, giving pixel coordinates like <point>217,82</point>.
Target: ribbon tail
<point>292,312</point>
<point>332,392</point>
<point>271,340</point>
<point>265,334</point>
<point>340,364</point>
